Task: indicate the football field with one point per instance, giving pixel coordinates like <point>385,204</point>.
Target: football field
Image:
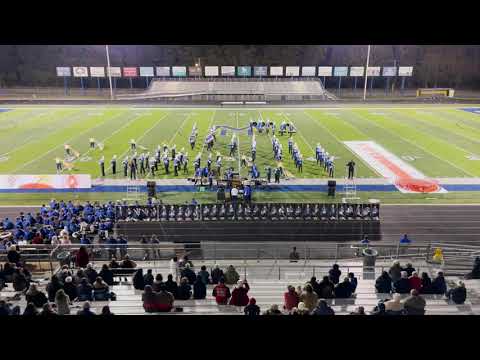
<point>440,142</point>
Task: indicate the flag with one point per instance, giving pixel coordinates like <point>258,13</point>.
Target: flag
<point>223,132</point>
<point>249,131</point>
<point>209,138</point>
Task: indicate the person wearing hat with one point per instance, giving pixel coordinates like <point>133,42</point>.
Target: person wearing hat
<point>457,294</point>
<point>252,309</point>
<point>239,294</point>
<point>70,288</point>
<point>86,310</point>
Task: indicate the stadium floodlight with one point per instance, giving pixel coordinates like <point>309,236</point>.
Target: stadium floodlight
<point>366,71</point>
<point>109,72</point>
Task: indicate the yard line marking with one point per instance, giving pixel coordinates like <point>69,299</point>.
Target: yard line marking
<point>414,144</point>
<point>65,142</point>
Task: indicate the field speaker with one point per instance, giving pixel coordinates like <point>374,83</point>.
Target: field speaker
<point>332,184</point>
<point>152,189</point>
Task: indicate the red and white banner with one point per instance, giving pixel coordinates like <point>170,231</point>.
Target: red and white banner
<point>130,72</point>
<point>405,177</point>
<point>45,182</point>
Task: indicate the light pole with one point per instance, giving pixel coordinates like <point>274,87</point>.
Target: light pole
<point>109,73</point>
<point>366,77</point>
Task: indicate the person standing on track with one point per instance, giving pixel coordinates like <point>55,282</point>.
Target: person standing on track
<point>125,166</point>
<point>114,164</point>
<point>142,164</point>
<point>102,165</point>
<point>67,149</point>
<point>58,164</point>
<point>133,144</point>
<point>92,143</point>
<point>351,169</point>
<point>133,170</point>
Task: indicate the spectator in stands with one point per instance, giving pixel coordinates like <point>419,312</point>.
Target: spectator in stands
<point>475,273</point>
<point>35,296</point>
<point>165,299</point>
<point>100,290</point>
<point>122,246</point>
<point>199,289</point>
<point>7,273</point>
<point>84,291</point>
<point>409,269</point>
<point>395,271</point>
<point>326,288</point>
<point>184,291</point>
<point>171,286</point>
<point>174,268</point>
<point>106,274</point>
<point>457,294</point>
<point>91,273</point>
<point>379,309</point>
<point>322,308</point>
<point>415,281</point>
<point>353,281</point>
<point>426,284</point>
<point>291,298</point>
<point>81,258</point>
<point>216,274</point>
<point>221,292</point>
<point>150,300</point>
<point>127,263</point>
<point>47,310</point>
<point>394,306</point>
<point>343,290</point>
<point>359,311</point>
<point>439,286</point>
<point>204,274</point>
<point>308,297</point>
<point>112,247</point>
<point>63,273</point>
<point>300,310</point>
<point>414,304</point>
<point>273,310</point>
<point>138,283</point>
<point>252,309</point>
<point>106,311</point>
<point>70,289</point>
<point>405,240</point>
<point>157,283</point>
<point>79,276</point>
<point>183,263</point>
<point>334,274</point>
<point>188,273</point>
<point>30,310</point>
<point>114,264</point>
<point>53,286</point>
<point>86,310</point>
<point>62,303</point>
<point>231,275</point>
<point>402,286</point>
<point>148,278</point>
<point>313,281</point>
<point>19,280</point>
<point>5,308</point>
<point>240,294</point>
<point>13,256</point>
<point>294,255</point>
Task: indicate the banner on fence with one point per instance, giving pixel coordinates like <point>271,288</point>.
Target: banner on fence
<point>8,182</point>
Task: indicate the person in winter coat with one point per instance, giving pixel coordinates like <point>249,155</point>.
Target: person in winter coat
<point>216,274</point>
<point>150,300</point>
<point>291,298</point>
<point>231,276</point>
<point>13,256</point>
<point>252,308</point>
<point>379,309</point>
<point>323,309</point>
<point>415,281</point>
<point>85,291</point>
<point>239,294</point>
<point>86,310</point>
<point>439,286</point>
<point>221,292</point>
<point>395,271</point>
<point>414,304</point>
<point>148,278</point>
<point>273,310</point>
<point>409,269</point>
<point>205,275</point>
<point>106,274</point>
<point>334,274</point>
<point>62,302</point>
<point>171,286</point>
<point>91,274</point>
<point>53,286</point>
<point>19,280</point>
<point>402,286</point>
<point>188,273</point>
<point>165,299</point>
<point>81,258</point>
<point>100,290</point>
<point>475,273</point>
<point>33,295</point>
<point>315,285</point>
<point>30,310</point>
<point>184,291</point>
<point>353,281</point>
<point>309,297</point>
<point>394,306</point>
<point>70,289</point>
<point>199,289</point>
<point>47,310</point>
<point>157,283</point>
<point>138,282</point>
<point>426,284</point>
<point>343,290</point>
<point>326,288</point>
<point>458,294</point>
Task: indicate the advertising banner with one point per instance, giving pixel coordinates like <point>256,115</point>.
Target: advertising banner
<point>292,71</point>
<point>260,71</point>
<point>163,70</point>
<point>373,71</point>
<point>146,71</point>
<point>63,71</point>
<point>211,70</point>
<point>45,182</point>
<point>244,71</point>
<point>276,70</point>
<point>80,71</point>
<point>340,71</point>
<point>115,71</point>
<point>389,71</point>
<point>130,72</point>
<point>324,71</point>
<point>97,71</point>
<point>405,71</point>
<point>179,71</point>
<point>357,71</point>
<point>228,70</point>
<point>194,71</point>
<point>308,70</point>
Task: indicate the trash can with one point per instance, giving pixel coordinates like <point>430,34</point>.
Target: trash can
<point>369,257</point>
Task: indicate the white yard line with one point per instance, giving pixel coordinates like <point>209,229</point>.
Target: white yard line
<point>65,142</point>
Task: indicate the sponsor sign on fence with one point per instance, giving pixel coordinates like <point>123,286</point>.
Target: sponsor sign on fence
<point>146,71</point>
<point>324,71</point>
<point>276,70</point>
<point>228,70</point>
<point>308,70</point>
<point>163,70</point>
<point>97,71</point>
<point>389,71</point>
<point>80,71</point>
<point>405,71</point>
<point>340,71</point>
<point>260,70</point>
<point>130,72</point>
<point>45,182</point>
<point>292,71</point>
<point>211,70</point>
<point>115,71</point>
<point>63,71</point>
<point>357,71</point>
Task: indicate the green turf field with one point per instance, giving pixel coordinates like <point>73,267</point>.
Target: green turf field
<point>439,141</point>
